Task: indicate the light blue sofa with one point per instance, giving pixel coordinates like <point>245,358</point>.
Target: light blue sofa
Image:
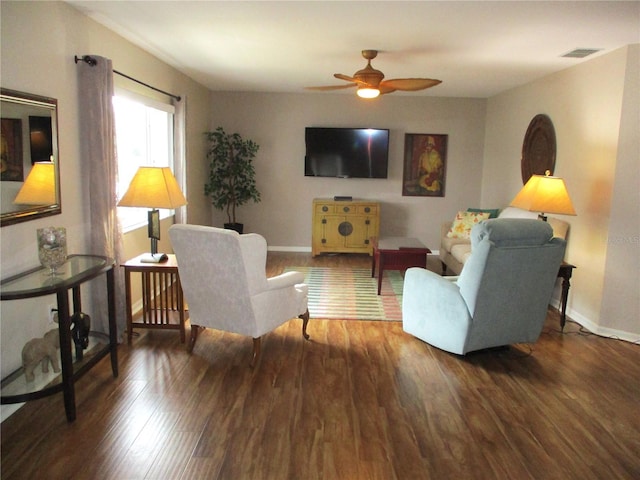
<point>501,295</point>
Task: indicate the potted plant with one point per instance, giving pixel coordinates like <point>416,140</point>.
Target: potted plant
<point>231,173</point>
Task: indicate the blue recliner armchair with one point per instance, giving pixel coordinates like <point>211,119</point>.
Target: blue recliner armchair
<point>501,296</point>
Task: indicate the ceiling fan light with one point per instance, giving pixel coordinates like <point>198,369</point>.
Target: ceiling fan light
<point>368,92</point>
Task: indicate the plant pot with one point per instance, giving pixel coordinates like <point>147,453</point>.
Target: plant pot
<point>234,226</point>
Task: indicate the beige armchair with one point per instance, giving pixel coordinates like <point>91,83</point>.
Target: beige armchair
<point>225,285</point>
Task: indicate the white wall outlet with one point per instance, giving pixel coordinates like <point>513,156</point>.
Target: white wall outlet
<point>52,313</point>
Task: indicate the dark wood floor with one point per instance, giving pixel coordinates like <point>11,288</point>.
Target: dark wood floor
<point>360,400</point>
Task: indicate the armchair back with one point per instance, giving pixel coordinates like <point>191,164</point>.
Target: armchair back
<point>508,280</point>
<point>216,277</point>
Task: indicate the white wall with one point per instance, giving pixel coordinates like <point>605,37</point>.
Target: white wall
<point>277,122</point>
<point>621,296</point>
<point>585,104</point>
<point>38,43</point>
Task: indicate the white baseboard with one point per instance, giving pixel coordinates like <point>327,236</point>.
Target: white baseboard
<point>595,328</point>
<point>288,249</point>
<point>434,253</point>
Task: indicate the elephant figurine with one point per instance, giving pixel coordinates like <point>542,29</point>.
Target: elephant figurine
<point>80,327</point>
<point>41,350</point>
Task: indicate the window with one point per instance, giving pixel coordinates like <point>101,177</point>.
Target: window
<point>144,137</point>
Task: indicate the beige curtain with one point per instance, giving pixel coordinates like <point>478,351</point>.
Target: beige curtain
<point>99,174</point>
<point>179,152</point>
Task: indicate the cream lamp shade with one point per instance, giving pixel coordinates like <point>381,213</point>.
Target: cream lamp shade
<point>40,186</point>
<point>544,194</point>
<point>153,187</point>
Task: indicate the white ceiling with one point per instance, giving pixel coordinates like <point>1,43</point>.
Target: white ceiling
<point>477,49</point>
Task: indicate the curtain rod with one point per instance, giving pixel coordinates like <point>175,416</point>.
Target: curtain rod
<point>92,61</point>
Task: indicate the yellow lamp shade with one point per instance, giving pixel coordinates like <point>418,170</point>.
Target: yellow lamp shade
<point>40,186</point>
<point>153,187</point>
<point>544,194</point>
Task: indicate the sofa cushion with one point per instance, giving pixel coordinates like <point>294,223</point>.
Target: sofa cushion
<point>464,221</point>
<point>493,212</point>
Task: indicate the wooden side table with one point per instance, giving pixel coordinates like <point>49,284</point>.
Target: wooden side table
<point>77,270</point>
<point>397,253</point>
<point>162,300</point>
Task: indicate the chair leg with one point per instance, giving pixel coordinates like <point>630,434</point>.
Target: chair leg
<point>195,330</point>
<point>256,352</point>
<point>305,321</point>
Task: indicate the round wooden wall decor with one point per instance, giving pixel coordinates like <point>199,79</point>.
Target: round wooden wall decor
<point>538,148</point>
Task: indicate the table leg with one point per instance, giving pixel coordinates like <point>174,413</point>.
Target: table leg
<point>373,264</point>
<point>113,327</point>
<point>380,270</point>
<point>180,302</point>
<point>565,295</point>
<point>66,360</point>
<point>127,289</point>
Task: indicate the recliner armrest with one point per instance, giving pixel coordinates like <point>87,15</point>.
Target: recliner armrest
<point>424,289</point>
<point>434,311</point>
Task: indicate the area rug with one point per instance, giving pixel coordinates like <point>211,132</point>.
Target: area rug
<point>351,293</point>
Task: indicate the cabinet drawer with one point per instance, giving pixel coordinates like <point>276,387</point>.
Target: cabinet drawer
<point>346,208</point>
<point>323,208</point>
<point>367,209</point>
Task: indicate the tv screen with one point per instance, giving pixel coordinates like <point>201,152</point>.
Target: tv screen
<point>346,152</point>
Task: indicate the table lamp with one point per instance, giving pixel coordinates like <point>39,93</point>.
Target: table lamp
<point>153,187</point>
<point>544,194</point>
<point>40,186</point>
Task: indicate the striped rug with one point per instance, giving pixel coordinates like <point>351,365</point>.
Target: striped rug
<point>351,293</point>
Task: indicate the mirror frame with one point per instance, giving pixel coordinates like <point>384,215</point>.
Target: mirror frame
<point>33,212</point>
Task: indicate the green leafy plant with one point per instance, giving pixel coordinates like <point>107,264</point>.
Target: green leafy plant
<point>231,172</point>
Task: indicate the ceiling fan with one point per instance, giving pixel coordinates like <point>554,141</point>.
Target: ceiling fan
<point>370,82</point>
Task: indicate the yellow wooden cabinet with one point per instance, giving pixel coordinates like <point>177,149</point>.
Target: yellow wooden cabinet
<point>344,226</point>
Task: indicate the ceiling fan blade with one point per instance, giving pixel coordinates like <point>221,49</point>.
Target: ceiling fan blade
<point>348,78</point>
<point>332,87</point>
<point>410,84</point>
<point>385,88</point>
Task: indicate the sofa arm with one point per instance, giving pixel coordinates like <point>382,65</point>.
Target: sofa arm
<point>444,229</point>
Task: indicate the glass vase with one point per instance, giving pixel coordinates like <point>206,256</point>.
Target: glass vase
<point>52,247</point>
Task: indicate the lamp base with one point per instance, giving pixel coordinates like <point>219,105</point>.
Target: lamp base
<point>154,258</point>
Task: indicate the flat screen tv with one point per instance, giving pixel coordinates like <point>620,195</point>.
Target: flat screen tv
<point>346,152</point>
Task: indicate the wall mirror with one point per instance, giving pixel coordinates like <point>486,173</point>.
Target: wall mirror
<point>30,174</point>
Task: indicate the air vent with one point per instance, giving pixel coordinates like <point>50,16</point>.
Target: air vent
<point>581,52</point>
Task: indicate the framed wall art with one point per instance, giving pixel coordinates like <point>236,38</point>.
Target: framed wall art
<point>538,148</point>
<point>425,161</point>
<point>11,150</point>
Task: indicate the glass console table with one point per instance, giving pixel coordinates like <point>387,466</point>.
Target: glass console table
<point>36,282</point>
